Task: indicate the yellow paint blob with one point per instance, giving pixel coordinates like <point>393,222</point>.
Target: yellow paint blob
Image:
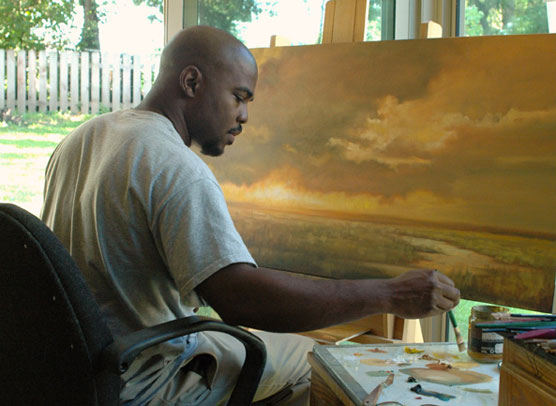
<point>465,365</point>
<point>410,350</point>
<point>445,355</point>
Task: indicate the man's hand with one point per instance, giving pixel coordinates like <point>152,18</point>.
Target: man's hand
<point>422,293</point>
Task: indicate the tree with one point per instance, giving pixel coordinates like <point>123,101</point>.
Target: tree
<point>224,14</point>
<point>38,24</point>
<point>218,13</point>
<point>374,22</point>
<point>496,17</point>
<point>89,34</point>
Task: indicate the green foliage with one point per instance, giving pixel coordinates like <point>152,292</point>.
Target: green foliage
<point>23,23</point>
<point>473,19</point>
<point>90,34</point>
<point>224,14</point>
<point>374,22</point>
<point>505,17</point>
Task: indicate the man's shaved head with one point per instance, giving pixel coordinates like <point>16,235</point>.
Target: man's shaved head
<point>208,48</point>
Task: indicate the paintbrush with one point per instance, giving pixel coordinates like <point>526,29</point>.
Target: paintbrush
<point>372,398</point>
<point>459,338</point>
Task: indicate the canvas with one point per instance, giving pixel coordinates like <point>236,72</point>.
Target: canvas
<point>370,159</point>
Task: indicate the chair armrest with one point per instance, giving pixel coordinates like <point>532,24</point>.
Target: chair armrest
<point>119,355</point>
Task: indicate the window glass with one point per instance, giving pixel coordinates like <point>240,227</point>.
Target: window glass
<point>505,17</point>
<point>299,22</point>
<point>255,22</point>
<point>373,30</point>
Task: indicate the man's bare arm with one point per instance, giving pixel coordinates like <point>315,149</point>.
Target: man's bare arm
<point>272,300</point>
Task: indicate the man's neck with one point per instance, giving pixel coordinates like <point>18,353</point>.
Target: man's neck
<point>157,104</point>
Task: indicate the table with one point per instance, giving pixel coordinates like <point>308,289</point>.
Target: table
<point>344,375</point>
<point>528,375</point>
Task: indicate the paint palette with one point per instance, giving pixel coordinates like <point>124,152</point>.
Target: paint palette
<point>444,375</point>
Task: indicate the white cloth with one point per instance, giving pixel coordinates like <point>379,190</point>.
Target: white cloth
<point>146,222</point>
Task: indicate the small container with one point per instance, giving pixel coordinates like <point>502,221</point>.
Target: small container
<point>485,347</point>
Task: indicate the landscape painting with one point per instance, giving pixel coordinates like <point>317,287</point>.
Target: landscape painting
<point>370,159</point>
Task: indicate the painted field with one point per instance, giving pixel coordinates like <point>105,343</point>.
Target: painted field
<point>480,262</point>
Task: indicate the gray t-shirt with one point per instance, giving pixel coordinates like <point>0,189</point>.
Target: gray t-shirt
<point>141,214</point>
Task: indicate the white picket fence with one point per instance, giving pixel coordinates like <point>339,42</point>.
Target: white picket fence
<point>81,82</point>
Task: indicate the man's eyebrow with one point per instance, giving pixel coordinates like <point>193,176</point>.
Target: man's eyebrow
<point>245,90</point>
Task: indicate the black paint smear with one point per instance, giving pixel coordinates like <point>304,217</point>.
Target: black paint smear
<point>441,396</point>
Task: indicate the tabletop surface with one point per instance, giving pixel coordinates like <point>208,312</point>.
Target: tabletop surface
<point>359,369</point>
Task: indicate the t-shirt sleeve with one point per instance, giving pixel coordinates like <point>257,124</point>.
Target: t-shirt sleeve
<point>197,236</point>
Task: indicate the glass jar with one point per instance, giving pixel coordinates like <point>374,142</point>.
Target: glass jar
<point>481,346</point>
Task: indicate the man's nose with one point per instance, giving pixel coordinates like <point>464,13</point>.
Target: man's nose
<point>242,116</point>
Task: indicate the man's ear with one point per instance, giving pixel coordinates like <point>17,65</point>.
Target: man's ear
<point>191,80</point>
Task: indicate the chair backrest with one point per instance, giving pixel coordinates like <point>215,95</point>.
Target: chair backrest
<point>51,329</point>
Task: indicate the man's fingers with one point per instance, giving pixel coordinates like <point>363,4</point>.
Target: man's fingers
<point>444,304</point>
<point>451,293</point>
<point>447,298</point>
<point>444,279</point>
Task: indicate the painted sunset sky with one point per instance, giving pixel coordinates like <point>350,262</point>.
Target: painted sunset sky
<point>453,130</point>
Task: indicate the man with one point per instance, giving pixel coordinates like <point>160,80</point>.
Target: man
<point>146,221</point>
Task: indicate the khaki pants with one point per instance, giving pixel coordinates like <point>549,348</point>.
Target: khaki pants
<point>209,378</point>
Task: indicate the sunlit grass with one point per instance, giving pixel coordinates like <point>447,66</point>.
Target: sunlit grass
<point>26,143</point>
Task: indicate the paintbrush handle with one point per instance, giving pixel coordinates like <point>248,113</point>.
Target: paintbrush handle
<point>452,318</point>
<point>457,332</point>
<point>459,339</point>
<point>372,398</point>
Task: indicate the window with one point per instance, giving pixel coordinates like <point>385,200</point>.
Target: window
<point>299,22</point>
<point>380,20</point>
<point>506,17</point>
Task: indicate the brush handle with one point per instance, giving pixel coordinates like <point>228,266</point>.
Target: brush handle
<point>452,318</point>
<point>459,338</point>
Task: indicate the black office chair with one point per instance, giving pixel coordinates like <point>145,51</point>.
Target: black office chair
<point>55,348</point>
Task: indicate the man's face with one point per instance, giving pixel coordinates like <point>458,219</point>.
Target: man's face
<point>222,108</point>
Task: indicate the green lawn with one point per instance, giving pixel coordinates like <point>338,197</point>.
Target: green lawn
<point>26,143</point>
